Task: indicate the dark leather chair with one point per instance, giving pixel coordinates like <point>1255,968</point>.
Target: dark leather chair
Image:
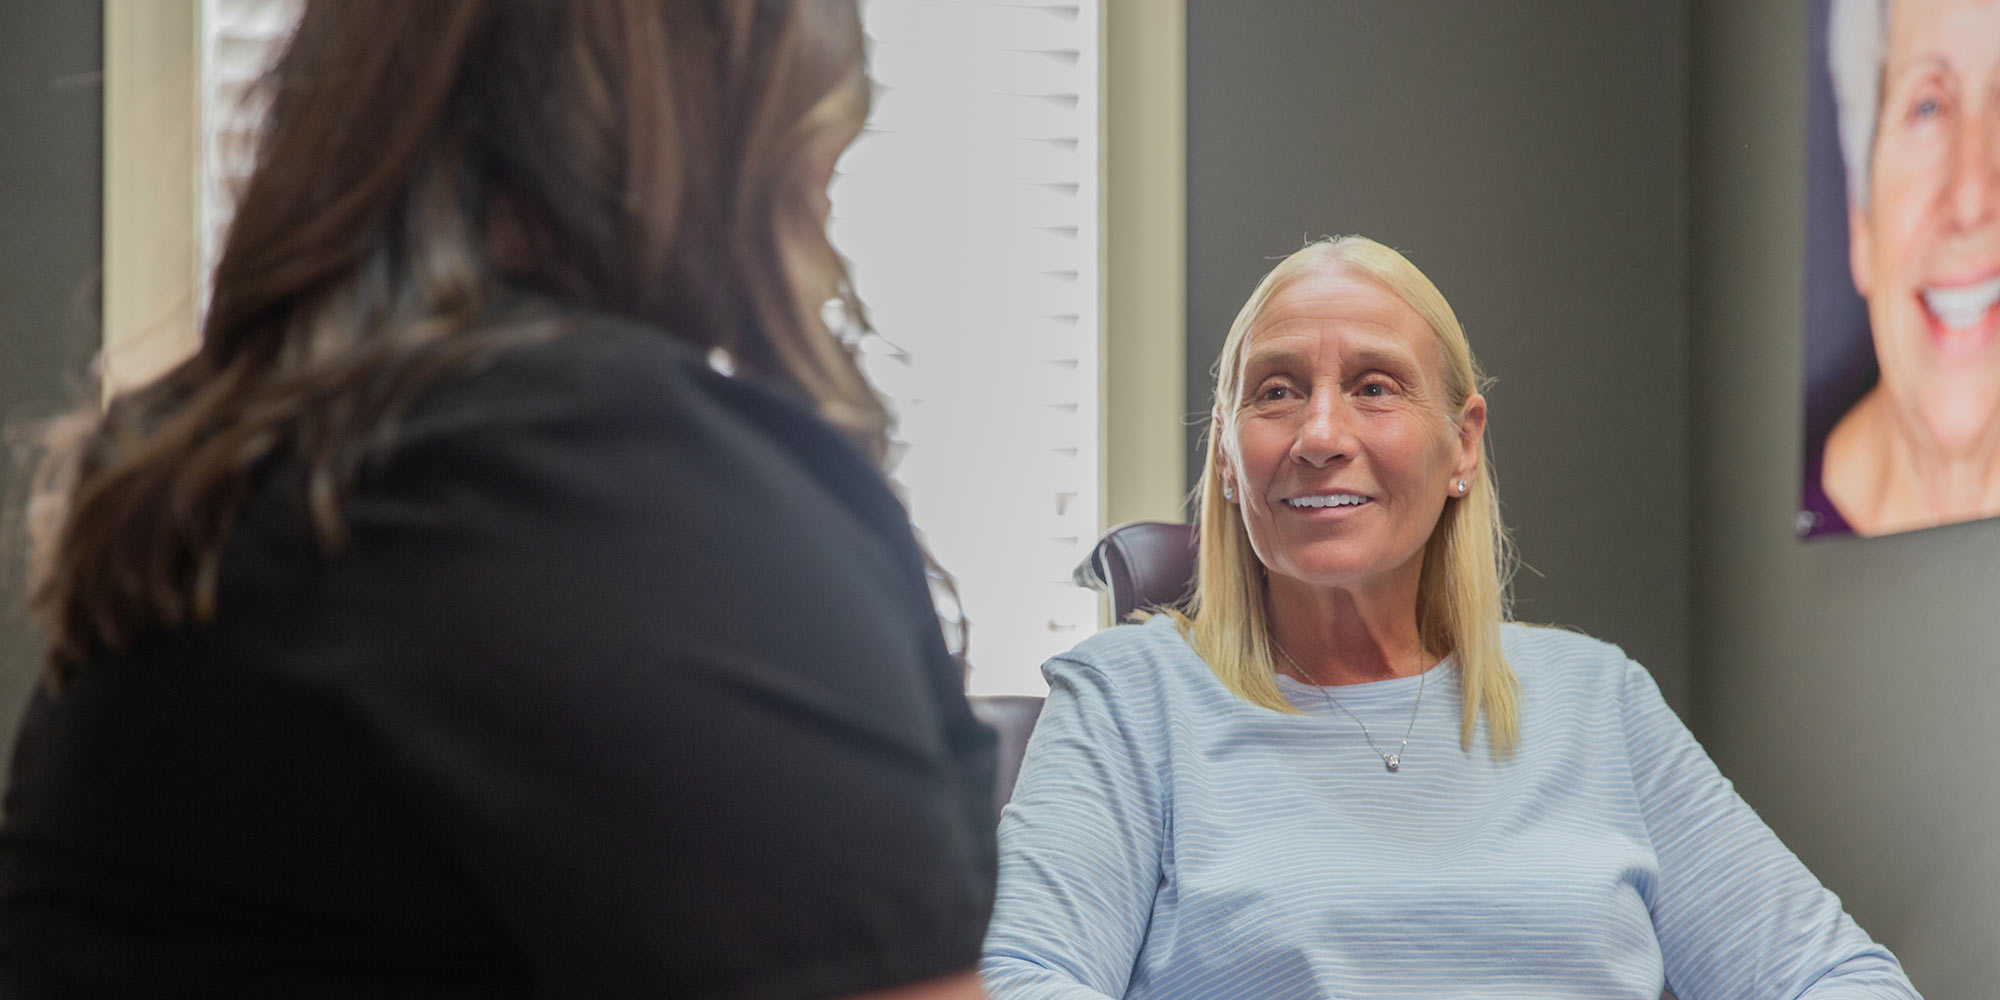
<point>1012,718</point>
<point>1143,564</point>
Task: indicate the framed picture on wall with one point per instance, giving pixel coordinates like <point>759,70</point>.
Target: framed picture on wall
<point>1902,311</point>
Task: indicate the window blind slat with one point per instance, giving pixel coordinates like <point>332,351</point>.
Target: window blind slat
<point>1026,73</point>
<point>1042,206</point>
<point>942,115</point>
<point>995,25</point>
<point>1015,161</point>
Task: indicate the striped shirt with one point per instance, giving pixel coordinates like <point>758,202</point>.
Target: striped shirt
<point>1170,840</point>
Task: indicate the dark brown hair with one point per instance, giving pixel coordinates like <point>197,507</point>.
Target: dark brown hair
<point>663,160</point>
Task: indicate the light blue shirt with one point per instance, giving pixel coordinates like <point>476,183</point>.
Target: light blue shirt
<point>1169,840</point>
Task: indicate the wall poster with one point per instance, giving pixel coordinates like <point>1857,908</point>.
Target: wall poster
<point>1902,311</point>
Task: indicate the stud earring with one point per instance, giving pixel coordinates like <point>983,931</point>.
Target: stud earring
<point>1461,486</point>
<point>1229,493</point>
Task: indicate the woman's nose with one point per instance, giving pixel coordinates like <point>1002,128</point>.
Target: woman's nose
<point>1975,181</point>
<point>1326,430</point>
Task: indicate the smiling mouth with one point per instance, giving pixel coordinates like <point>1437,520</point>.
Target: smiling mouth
<point>1327,500</point>
<point>1962,307</point>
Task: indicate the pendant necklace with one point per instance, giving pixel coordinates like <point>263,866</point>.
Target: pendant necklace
<point>1392,761</point>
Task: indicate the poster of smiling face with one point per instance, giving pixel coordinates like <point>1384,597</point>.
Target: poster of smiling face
<point>1902,426</point>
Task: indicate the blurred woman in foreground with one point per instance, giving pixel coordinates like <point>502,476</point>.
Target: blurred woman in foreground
<point>1340,772</point>
<point>448,624</point>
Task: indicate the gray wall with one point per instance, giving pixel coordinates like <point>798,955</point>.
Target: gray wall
<point>1611,194</point>
<point>51,126</point>
<point>1530,157</point>
<point>1848,686</point>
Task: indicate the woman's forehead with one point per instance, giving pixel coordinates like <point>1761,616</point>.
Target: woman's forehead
<point>1337,294</point>
<point>1942,32</point>
<point>1335,309</point>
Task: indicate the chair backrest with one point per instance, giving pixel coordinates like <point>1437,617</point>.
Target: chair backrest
<point>1012,718</point>
<point>1143,564</point>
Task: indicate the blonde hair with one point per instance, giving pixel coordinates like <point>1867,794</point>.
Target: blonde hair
<point>1463,596</point>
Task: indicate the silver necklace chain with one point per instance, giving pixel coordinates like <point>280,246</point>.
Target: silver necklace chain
<point>1392,761</point>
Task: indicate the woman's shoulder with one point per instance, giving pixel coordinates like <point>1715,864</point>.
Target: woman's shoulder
<point>593,366</point>
<point>590,395</point>
<point>1152,654</point>
<point>1146,675</point>
<point>1549,656</point>
<point>1851,464</point>
<point>570,427</point>
<point>1133,644</point>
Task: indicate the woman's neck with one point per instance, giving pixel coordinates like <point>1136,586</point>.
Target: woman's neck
<point>1884,476</point>
<point>1345,637</point>
<point>1928,485</point>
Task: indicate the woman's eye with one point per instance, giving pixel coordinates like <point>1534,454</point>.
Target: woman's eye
<point>1929,106</point>
<point>1374,389</point>
<point>1272,394</point>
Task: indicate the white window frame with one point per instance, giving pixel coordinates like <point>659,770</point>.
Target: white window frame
<point>1143,395</point>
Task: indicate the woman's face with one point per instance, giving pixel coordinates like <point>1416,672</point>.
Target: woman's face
<point>1342,450</point>
<point>1926,249</point>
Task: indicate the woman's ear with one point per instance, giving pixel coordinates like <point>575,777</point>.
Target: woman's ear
<point>1225,468</point>
<point>1471,438</point>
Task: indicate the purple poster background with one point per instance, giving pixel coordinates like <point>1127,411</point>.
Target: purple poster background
<point>1840,360</point>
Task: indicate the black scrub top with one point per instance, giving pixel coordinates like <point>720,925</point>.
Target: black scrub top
<point>625,682</point>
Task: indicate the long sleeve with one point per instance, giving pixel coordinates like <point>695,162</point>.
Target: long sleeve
<point>1080,847</point>
<point>1737,914</point>
<point>1170,841</point>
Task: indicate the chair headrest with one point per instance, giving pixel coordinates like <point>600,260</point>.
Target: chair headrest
<point>1143,564</point>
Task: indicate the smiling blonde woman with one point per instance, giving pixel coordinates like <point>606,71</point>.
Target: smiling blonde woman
<point>1338,772</point>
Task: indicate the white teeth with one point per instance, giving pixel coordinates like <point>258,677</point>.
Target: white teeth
<point>1335,500</point>
<point>1962,306</point>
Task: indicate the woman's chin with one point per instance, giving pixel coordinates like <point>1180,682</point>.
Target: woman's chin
<point>1351,575</point>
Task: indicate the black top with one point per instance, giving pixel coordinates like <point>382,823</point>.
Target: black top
<point>627,683</point>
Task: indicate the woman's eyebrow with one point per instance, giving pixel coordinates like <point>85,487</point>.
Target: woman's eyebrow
<point>1260,364</point>
<point>1367,358</point>
<point>1902,72</point>
<point>1279,357</point>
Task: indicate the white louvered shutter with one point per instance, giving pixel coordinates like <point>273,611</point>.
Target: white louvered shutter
<point>239,40</point>
<point>968,210</point>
